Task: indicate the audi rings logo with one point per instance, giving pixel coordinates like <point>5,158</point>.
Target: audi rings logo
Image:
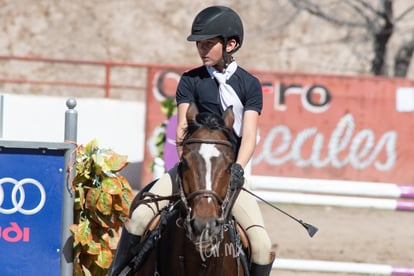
<point>18,196</point>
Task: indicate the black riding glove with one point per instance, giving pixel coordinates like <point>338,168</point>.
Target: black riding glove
<point>237,176</point>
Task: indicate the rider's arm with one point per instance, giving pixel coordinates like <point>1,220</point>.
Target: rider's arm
<point>181,125</point>
<point>248,142</point>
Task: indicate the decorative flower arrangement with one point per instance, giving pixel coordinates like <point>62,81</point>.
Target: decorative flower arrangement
<point>102,201</point>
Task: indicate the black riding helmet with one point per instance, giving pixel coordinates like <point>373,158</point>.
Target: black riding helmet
<point>217,21</point>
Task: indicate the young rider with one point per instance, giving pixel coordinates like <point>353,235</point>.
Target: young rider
<point>219,83</point>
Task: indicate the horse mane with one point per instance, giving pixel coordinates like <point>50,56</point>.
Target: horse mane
<point>210,121</point>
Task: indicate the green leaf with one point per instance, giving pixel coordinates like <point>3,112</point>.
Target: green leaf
<point>112,186</point>
<point>104,258</point>
<point>83,233</point>
<point>104,203</point>
<point>93,248</point>
<point>81,192</point>
<point>108,162</point>
<point>127,197</point>
<point>100,163</point>
<point>91,147</point>
<point>169,107</point>
<point>124,182</point>
<point>116,162</point>
<point>92,198</point>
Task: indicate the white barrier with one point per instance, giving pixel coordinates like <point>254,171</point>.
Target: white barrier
<point>341,267</point>
<point>117,124</point>
<point>334,193</point>
<point>323,186</point>
<point>341,201</point>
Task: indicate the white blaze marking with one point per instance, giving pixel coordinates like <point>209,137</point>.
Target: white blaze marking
<point>208,151</point>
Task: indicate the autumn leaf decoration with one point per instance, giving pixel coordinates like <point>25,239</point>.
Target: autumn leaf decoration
<point>102,200</point>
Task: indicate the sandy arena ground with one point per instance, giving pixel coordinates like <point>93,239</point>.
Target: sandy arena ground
<point>345,235</point>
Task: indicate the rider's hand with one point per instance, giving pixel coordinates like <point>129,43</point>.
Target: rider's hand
<point>237,176</point>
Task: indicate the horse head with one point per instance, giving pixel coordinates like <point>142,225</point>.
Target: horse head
<point>204,170</point>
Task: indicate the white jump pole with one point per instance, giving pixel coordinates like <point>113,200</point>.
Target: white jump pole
<point>341,193</point>
<point>341,267</point>
<point>340,201</point>
<point>323,186</point>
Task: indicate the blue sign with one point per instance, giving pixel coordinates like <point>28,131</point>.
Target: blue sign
<point>31,190</point>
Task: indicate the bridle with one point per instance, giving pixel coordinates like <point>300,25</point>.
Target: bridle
<point>203,193</point>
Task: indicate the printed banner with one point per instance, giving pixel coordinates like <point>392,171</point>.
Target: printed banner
<point>31,184</point>
<point>315,126</point>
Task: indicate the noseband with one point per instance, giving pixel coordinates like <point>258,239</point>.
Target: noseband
<point>203,193</point>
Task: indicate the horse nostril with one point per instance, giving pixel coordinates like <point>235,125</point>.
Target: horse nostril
<point>208,227</point>
<point>213,223</point>
<point>198,225</point>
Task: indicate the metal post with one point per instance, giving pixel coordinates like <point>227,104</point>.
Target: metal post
<point>71,133</point>
<point>71,121</point>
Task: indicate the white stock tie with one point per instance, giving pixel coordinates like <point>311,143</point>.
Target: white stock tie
<point>228,96</point>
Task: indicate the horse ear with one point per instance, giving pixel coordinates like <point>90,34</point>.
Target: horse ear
<point>192,111</point>
<point>228,117</point>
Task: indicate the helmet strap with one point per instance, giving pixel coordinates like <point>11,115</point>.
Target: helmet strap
<point>225,54</point>
<point>227,57</point>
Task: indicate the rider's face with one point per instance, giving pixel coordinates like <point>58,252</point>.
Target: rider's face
<point>211,51</point>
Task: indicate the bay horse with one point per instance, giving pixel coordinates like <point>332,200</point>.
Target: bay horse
<point>196,235</point>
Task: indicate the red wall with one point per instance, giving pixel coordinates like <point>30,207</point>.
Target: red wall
<point>317,126</point>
